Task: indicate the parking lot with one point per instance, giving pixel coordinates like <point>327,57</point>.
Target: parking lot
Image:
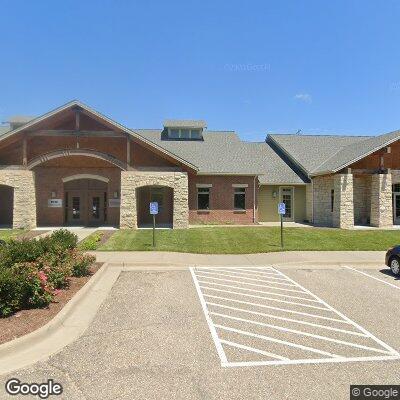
<point>234,332</point>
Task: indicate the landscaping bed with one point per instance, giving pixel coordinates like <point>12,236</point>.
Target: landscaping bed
<point>96,239</point>
<point>40,273</point>
<point>246,240</point>
<point>26,321</point>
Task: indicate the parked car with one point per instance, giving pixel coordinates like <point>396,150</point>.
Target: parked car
<point>392,259</point>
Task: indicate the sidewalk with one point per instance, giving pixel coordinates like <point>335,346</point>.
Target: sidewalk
<point>157,258</point>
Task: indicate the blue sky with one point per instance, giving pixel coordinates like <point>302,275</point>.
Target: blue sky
<point>254,67</point>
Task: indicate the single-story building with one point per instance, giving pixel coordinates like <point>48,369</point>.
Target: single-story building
<point>75,166</point>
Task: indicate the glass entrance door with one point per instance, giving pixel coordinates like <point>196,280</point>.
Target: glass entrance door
<point>287,198</point>
<point>74,208</point>
<point>396,208</point>
<point>96,215</point>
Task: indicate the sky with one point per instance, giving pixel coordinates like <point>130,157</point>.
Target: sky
<point>256,67</point>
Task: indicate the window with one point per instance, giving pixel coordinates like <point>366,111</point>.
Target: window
<point>174,133</point>
<point>184,133</point>
<point>203,198</point>
<point>396,187</point>
<point>332,199</point>
<point>239,199</point>
<point>157,195</point>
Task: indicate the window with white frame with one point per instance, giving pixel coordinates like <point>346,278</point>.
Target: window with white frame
<point>203,198</point>
<point>239,198</point>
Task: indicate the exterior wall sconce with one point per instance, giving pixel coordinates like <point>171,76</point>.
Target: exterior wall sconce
<point>274,194</point>
<point>115,195</point>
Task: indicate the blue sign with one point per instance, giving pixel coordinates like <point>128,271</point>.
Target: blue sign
<point>282,208</point>
<point>153,208</point>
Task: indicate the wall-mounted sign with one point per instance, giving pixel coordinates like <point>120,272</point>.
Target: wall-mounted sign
<point>55,203</point>
<point>114,203</point>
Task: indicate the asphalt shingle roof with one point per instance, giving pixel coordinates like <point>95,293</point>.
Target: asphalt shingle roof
<point>184,123</point>
<point>223,152</point>
<point>311,151</point>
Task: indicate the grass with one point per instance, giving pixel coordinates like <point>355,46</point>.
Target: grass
<point>250,240</point>
<point>91,242</point>
<point>7,234</point>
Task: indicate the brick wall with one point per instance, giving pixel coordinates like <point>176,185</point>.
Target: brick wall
<point>221,200</point>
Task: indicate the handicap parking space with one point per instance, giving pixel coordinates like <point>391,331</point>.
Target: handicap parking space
<point>260,316</point>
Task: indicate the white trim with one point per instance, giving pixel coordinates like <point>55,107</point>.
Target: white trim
<point>240,185</point>
<point>204,185</point>
<point>85,176</point>
<point>280,200</point>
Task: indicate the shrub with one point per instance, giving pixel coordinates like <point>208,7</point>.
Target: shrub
<point>11,292</point>
<point>64,239</point>
<point>81,263</point>
<point>37,291</point>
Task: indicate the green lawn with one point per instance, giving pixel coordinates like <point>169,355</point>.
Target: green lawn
<point>7,234</point>
<point>250,240</point>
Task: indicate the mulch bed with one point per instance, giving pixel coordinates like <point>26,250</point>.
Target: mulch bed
<point>26,321</point>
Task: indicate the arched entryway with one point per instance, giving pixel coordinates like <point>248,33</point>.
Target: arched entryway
<point>85,200</point>
<point>6,206</point>
<point>163,195</point>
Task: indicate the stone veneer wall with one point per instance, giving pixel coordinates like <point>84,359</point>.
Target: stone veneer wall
<point>322,186</point>
<point>309,202</point>
<point>362,199</point>
<point>343,204</point>
<point>131,180</point>
<point>24,210</point>
<point>381,200</point>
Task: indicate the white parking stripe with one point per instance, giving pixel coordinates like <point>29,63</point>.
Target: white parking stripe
<point>266,298</point>
<point>383,344</point>
<point>258,291</point>
<point>214,334</point>
<point>246,279</point>
<point>258,351</point>
<point>330,328</point>
<point>297,332</point>
<point>231,305</point>
<point>270,339</point>
<point>242,273</point>
<point>373,277</point>
<point>251,284</point>
<point>276,308</point>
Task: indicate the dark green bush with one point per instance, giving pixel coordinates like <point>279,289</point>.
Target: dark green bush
<point>11,292</point>
<point>81,263</point>
<point>64,239</point>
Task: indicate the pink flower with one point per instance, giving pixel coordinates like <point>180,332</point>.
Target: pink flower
<point>42,276</point>
<point>56,292</point>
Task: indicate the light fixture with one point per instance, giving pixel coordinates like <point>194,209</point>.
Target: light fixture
<point>115,195</point>
<point>274,194</point>
<point>53,195</point>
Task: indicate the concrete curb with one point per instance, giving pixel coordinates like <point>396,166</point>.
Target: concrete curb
<point>63,329</point>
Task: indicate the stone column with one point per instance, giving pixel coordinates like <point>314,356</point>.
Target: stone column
<point>128,212</point>
<point>309,202</point>
<point>181,201</point>
<point>343,204</point>
<point>381,201</point>
<point>24,205</point>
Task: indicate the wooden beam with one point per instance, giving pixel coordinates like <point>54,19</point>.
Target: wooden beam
<point>55,132</point>
<point>128,151</point>
<point>77,120</point>
<point>24,152</point>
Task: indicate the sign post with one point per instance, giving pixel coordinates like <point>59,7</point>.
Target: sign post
<point>281,212</point>
<point>154,212</point>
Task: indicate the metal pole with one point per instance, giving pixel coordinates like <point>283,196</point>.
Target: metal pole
<point>281,231</point>
<point>154,230</point>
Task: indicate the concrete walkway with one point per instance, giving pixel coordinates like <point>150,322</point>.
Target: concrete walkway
<point>156,258</point>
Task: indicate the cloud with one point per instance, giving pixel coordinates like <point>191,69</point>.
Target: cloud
<point>305,97</point>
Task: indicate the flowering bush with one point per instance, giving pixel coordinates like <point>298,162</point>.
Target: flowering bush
<point>32,271</point>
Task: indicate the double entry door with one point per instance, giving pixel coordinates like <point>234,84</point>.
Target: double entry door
<point>87,208</point>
